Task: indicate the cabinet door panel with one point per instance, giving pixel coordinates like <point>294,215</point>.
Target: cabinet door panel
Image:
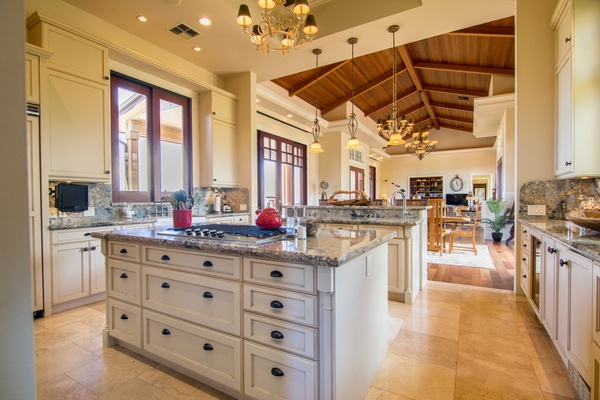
<point>97,267</point>
<point>548,309</point>
<point>564,162</point>
<point>70,273</point>
<point>224,153</point>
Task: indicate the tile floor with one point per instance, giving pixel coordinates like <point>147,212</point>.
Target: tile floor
<point>455,342</point>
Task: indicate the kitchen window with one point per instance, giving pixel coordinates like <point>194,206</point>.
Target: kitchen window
<point>281,171</point>
<point>151,140</point>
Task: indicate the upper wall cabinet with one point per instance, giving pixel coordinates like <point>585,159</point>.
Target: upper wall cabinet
<point>577,88</point>
<point>76,119</point>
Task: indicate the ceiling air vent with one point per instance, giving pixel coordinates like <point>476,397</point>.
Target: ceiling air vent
<point>183,31</point>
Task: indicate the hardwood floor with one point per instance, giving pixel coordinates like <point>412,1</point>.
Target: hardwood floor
<point>502,277</point>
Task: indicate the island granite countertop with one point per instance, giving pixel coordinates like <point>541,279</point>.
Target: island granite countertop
<point>586,241</point>
<point>328,248</point>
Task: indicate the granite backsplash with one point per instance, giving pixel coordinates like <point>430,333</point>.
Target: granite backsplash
<point>559,196</point>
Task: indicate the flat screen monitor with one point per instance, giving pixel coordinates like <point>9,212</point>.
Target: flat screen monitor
<point>71,197</point>
<point>456,199</point>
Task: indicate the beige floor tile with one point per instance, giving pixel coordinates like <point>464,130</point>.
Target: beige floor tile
<point>495,381</point>
<point>109,372</point>
<point>53,338</point>
<point>436,308</point>
<point>378,394</point>
<point>460,395</point>
<point>97,321</point>
<point>510,353</point>
<point>551,376</point>
<point>499,311</point>
<point>60,360</point>
<point>176,384</point>
<point>64,388</point>
<point>539,344</point>
<point>431,325</point>
<point>478,296</point>
<point>428,348</point>
<point>136,389</point>
<point>489,326</point>
<point>67,317</point>
<point>553,396</point>
<point>208,393</point>
<point>441,295</point>
<point>398,310</point>
<point>394,325</point>
<point>98,306</point>
<point>442,287</point>
<point>38,328</point>
<point>93,344</point>
<point>415,379</point>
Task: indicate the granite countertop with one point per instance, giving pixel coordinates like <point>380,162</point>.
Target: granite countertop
<point>329,247</point>
<point>370,221</point>
<point>586,241</point>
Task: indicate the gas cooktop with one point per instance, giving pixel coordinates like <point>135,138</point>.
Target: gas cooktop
<point>228,233</point>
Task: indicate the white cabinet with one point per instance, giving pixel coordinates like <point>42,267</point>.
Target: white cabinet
<point>577,85</point>
<point>227,219</point>
<point>219,140</point>
<point>525,255</point>
<point>548,289</point>
<point>35,212</point>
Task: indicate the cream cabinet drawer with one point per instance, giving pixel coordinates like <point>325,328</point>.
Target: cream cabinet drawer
<point>124,281</point>
<point>240,219</point>
<point>211,264</point>
<point>211,302</point>
<point>295,307</point>
<point>125,322</point>
<point>281,335</point>
<point>398,229</point>
<point>215,355</point>
<point>525,243</point>
<point>124,251</point>
<point>283,275</point>
<point>272,374</point>
<point>76,235</point>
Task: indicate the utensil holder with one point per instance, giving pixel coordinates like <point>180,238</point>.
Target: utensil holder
<point>182,218</point>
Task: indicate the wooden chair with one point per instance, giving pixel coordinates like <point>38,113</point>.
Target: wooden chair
<point>435,225</point>
<point>417,202</point>
<point>464,232</point>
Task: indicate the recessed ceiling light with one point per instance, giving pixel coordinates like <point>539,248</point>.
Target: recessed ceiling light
<point>141,18</point>
<point>289,115</point>
<point>196,48</point>
<point>173,2</point>
<point>205,21</point>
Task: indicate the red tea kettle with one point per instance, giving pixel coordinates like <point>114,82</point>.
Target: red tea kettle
<point>267,218</point>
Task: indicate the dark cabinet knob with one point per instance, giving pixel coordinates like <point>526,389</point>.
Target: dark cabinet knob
<point>567,39</point>
<point>277,372</point>
<point>165,285</point>
<point>123,276</point>
<point>276,304</point>
<point>107,172</point>
<point>85,249</point>
<point>563,262</point>
<point>93,247</point>
<point>124,316</point>
<point>525,245</point>
<point>207,264</point>
<point>276,274</point>
<point>165,258</point>
<point>525,231</point>
<point>207,347</point>
<point>166,331</point>
<point>524,276</point>
<point>551,250</point>
<point>123,251</point>
<point>87,234</point>
<point>276,335</point>
<point>106,78</point>
<point>567,163</point>
<point>524,259</point>
<point>207,295</point>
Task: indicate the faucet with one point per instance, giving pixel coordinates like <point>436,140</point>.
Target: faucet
<point>402,193</point>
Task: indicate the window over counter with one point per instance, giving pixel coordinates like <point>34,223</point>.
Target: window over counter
<point>151,140</point>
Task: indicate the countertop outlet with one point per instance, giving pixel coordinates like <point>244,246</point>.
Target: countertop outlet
<point>536,210</point>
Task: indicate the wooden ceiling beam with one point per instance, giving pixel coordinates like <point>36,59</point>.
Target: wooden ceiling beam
<point>322,74</point>
<point>455,119</point>
<point>457,128</point>
<point>399,97</point>
<point>490,31</point>
<point>408,63</point>
<point>403,113</point>
<point>460,92</point>
<point>465,68</point>
<point>452,107</point>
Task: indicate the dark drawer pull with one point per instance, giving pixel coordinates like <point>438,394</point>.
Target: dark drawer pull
<point>563,263</point>
<point>276,304</point>
<point>166,331</point>
<point>93,247</point>
<point>123,251</point>
<point>124,316</point>
<point>276,335</point>
<point>207,295</point>
<point>87,234</point>
<point>524,244</point>
<point>85,248</point>
<point>207,264</point>
<point>276,274</point>
<point>165,285</point>
<point>551,250</point>
<point>524,259</point>
<point>276,372</point>
<point>207,347</point>
<point>524,276</point>
<point>165,258</point>
<point>123,276</point>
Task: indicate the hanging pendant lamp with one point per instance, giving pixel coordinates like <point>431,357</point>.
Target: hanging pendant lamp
<point>315,147</point>
<point>352,122</point>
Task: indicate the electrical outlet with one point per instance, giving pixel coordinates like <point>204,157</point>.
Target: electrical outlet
<point>369,267</point>
<point>243,207</point>
<point>536,210</point>
<point>90,212</point>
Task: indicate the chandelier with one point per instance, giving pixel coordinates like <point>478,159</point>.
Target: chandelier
<point>315,147</point>
<point>394,129</point>
<point>352,122</point>
<point>281,27</point>
<point>421,146</point>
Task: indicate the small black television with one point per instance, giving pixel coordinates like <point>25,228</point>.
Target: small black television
<point>456,199</point>
<point>71,197</point>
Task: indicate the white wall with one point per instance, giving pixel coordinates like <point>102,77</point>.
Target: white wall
<point>17,371</point>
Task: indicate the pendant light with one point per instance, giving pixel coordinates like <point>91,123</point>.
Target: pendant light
<point>352,122</point>
<point>315,147</point>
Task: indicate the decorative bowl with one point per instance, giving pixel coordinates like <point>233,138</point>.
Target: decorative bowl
<point>580,219</point>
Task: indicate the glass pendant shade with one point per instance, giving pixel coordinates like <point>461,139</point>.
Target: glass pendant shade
<point>353,144</point>
<point>315,147</point>
<point>395,140</point>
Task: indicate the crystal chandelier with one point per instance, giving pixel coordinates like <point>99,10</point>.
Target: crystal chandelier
<point>394,130</point>
<point>315,147</point>
<point>352,122</point>
<point>421,146</point>
<point>281,27</point>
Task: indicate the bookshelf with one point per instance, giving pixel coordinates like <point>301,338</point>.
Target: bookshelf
<point>429,187</point>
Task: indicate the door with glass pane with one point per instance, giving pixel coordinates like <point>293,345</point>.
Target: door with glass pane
<point>357,179</point>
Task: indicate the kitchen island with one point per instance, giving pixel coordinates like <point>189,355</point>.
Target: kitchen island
<point>292,319</point>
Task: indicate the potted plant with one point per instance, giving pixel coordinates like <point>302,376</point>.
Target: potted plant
<point>501,218</point>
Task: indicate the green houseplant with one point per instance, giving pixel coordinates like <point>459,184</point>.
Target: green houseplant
<point>501,218</point>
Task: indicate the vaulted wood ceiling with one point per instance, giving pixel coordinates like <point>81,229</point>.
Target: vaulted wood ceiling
<point>437,78</point>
